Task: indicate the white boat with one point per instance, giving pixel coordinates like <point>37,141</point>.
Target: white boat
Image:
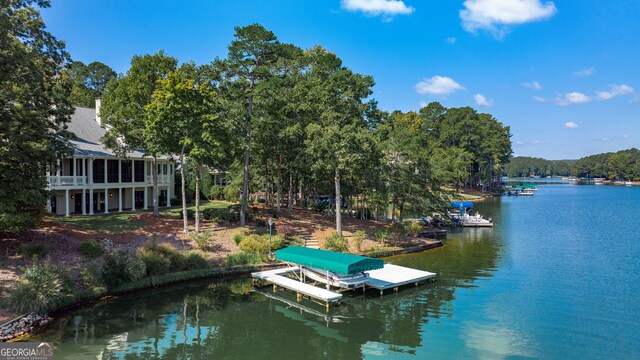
<point>334,279</point>
<point>476,220</point>
<point>628,183</point>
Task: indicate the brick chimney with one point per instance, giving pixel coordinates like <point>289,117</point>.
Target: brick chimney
<point>98,100</point>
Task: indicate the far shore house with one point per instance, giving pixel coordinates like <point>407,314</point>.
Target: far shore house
<point>94,180</point>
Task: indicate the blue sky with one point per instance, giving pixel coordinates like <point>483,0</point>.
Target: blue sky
<point>563,74</point>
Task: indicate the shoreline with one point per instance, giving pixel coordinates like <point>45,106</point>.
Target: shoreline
<point>18,327</point>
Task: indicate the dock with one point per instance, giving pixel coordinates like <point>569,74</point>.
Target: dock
<point>276,278</point>
<point>393,276</point>
<point>389,277</point>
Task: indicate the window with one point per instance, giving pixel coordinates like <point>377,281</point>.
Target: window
<point>112,171</point>
<point>98,171</point>
<point>126,170</point>
<point>139,170</point>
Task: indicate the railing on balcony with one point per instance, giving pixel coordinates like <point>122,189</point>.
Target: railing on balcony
<point>162,179</point>
<point>56,181</point>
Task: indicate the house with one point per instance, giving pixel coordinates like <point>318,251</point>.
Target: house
<point>95,180</point>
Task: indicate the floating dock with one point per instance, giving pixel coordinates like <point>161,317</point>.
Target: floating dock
<point>393,276</point>
<point>389,277</point>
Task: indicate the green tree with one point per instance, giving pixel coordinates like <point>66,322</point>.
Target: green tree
<point>337,138</point>
<point>34,110</point>
<point>88,81</point>
<point>251,56</point>
<point>124,109</point>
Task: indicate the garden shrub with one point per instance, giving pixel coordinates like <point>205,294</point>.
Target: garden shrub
<point>242,258</point>
<point>41,287</point>
<point>295,241</point>
<point>191,214</point>
<point>260,243</point>
<point>358,238</point>
<point>397,231</point>
<point>261,223</point>
<point>238,237</point>
<point>91,279</point>
<point>154,264</point>
<point>203,239</point>
<point>231,193</point>
<point>91,248</point>
<point>215,192</point>
<point>175,259</point>
<point>380,236</point>
<point>336,242</point>
<point>195,261</point>
<point>413,227</point>
<point>220,215</point>
<point>120,268</point>
<point>30,250</point>
<point>284,230</point>
<point>262,201</point>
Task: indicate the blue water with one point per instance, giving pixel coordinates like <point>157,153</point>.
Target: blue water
<point>556,278</point>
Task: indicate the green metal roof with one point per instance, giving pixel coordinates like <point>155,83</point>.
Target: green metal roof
<point>336,262</point>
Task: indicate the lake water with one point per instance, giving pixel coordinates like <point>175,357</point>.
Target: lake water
<point>558,277</point>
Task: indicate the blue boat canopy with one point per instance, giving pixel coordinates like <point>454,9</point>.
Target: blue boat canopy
<point>336,262</point>
<point>461,204</point>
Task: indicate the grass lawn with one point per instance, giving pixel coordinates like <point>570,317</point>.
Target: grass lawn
<point>176,210</point>
<point>108,223</point>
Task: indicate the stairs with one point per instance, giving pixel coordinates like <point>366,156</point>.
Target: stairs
<point>309,240</point>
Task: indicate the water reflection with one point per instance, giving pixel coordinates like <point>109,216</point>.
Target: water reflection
<point>230,319</point>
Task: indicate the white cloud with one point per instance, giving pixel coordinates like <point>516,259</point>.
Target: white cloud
<point>497,15</point>
<point>573,97</point>
<point>540,99</point>
<point>571,125</point>
<point>519,142</point>
<point>438,85</point>
<point>378,7</point>
<point>452,40</point>
<point>585,72</point>
<point>536,142</point>
<point>614,90</point>
<point>532,85</point>
<point>423,104</point>
<point>481,100</point>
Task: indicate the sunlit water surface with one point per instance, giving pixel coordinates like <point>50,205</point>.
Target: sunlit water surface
<point>558,277</point>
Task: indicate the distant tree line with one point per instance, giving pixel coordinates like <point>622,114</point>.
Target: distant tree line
<point>621,165</point>
<point>523,166</point>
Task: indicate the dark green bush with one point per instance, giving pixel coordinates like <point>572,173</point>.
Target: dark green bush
<point>335,242</point>
<point>191,214</point>
<point>262,201</point>
<point>120,268</point>
<point>261,223</point>
<point>397,231</point>
<point>358,238</point>
<point>154,264</point>
<point>91,248</point>
<point>243,258</point>
<point>91,278</point>
<point>162,258</point>
<point>31,250</point>
<point>41,287</point>
<point>195,261</point>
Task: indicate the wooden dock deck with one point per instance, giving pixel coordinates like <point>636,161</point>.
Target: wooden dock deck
<point>393,276</point>
<point>389,277</point>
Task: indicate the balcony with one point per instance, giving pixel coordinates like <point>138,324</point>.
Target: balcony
<point>162,179</point>
<point>66,181</point>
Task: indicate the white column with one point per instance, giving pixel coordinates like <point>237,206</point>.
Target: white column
<point>168,197</point>
<point>133,199</point>
<point>84,171</point>
<point>58,167</point>
<point>106,200</point>
<point>133,171</point>
<point>90,179</point>
<point>49,204</point>
<point>119,170</point>
<point>84,201</point>
<point>145,205</point>
<point>119,199</point>
<point>66,202</point>
<point>75,172</point>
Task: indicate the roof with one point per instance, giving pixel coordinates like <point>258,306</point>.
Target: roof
<point>461,204</point>
<point>88,133</point>
<point>336,262</point>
